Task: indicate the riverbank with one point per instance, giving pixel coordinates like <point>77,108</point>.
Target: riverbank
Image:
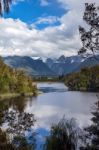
<point>15,95</point>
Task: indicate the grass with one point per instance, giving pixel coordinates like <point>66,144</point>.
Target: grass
<point>8,95</point>
<point>14,95</point>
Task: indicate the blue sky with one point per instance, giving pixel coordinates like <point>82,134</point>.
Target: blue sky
<point>30,10</point>
<point>42,28</point>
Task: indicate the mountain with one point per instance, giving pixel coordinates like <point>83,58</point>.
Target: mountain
<point>61,59</point>
<point>64,65</point>
<point>89,62</point>
<point>29,65</point>
<point>49,62</point>
<point>51,67</point>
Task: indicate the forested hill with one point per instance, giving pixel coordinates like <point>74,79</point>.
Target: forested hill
<point>85,80</point>
<point>12,81</point>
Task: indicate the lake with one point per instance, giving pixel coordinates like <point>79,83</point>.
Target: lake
<point>54,103</point>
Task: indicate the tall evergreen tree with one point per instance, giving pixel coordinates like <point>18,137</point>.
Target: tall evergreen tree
<point>90,37</point>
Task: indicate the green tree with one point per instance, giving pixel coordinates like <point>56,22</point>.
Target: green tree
<point>90,38</point>
<point>15,81</point>
<point>85,80</point>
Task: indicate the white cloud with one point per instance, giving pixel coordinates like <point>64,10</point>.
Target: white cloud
<point>16,38</point>
<point>44,3</point>
<point>47,20</point>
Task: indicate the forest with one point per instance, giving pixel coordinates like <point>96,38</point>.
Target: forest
<point>14,81</point>
<point>85,80</point>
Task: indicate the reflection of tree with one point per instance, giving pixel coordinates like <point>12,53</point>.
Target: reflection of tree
<point>18,122</point>
<point>3,107</point>
<point>18,143</point>
<point>19,103</point>
<point>23,144</point>
<point>4,142</point>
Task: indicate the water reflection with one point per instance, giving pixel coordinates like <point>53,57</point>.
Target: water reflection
<point>50,107</point>
<point>50,87</point>
<point>17,123</point>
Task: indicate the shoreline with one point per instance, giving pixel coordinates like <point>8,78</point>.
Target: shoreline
<point>15,95</point>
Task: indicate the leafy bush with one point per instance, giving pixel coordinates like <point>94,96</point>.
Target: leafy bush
<point>63,136</point>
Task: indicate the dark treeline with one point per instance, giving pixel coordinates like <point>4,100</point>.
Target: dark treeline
<point>48,79</point>
<point>85,80</point>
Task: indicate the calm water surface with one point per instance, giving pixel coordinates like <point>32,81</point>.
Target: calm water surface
<point>55,102</point>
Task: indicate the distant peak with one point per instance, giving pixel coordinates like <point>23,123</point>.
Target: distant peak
<point>35,58</point>
<point>62,58</point>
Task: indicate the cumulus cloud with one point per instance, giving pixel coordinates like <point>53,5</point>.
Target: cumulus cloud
<point>17,38</point>
<point>44,3</point>
<point>47,20</point>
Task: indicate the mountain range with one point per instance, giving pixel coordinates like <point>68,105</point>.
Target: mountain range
<point>50,67</point>
<point>29,65</point>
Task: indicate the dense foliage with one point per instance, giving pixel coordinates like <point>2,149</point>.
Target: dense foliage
<point>19,122</point>
<point>92,134</point>
<point>66,136</point>
<point>19,143</point>
<point>90,37</point>
<point>63,136</point>
<point>85,80</point>
<point>13,81</point>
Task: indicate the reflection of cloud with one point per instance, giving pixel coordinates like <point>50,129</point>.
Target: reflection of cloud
<point>46,115</point>
<point>51,107</point>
